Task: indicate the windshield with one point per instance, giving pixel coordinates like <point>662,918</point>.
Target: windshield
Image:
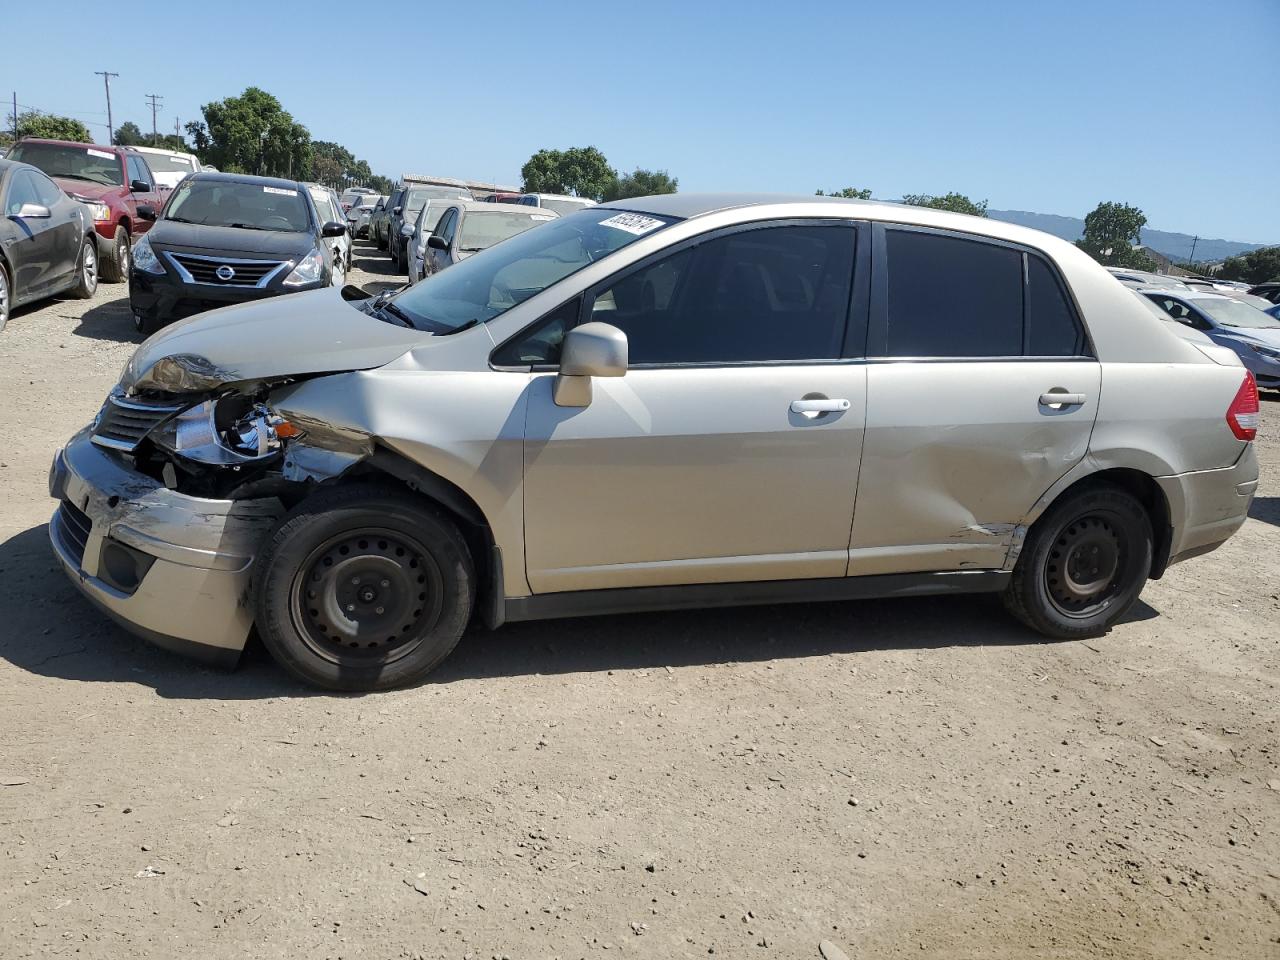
<point>250,206</point>
<point>75,163</point>
<point>490,283</point>
<point>164,163</point>
<point>1233,313</point>
<point>563,207</point>
<point>483,228</point>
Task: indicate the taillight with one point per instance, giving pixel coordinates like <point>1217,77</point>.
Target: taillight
<point>1242,415</point>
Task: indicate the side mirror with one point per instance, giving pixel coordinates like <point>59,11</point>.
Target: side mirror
<point>592,350</point>
<point>146,212</point>
<point>33,211</point>
<point>139,186</point>
<point>406,231</point>
<point>437,243</point>
<point>333,229</point>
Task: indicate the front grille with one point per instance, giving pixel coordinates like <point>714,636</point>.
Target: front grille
<point>244,273</point>
<point>124,422</point>
<point>73,529</point>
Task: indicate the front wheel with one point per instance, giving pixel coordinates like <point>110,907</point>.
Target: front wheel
<point>1083,564</point>
<point>363,588</point>
<point>115,269</point>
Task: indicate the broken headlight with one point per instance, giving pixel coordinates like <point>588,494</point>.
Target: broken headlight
<point>230,431</point>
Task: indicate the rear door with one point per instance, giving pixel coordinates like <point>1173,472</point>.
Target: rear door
<point>972,344</point>
<point>34,254</point>
<point>729,451</point>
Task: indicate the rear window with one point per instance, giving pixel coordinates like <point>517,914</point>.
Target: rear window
<point>1053,331</point>
<point>163,163</point>
<point>484,228</point>
<point>249,206</point>
<point>88,163</point>
<point>950,297</point>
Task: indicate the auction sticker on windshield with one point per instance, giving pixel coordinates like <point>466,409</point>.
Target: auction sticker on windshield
<point>100,153</point>
<point>281,191</point>
<point>632,223</point>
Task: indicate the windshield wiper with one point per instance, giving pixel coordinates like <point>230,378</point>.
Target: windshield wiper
<point>473,322</point>
<point>471,249</point>
<point>246,226</point>
<point>185,220</point>
<point>390,309</point>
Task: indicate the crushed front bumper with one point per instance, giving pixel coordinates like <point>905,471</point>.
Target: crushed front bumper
<point>171,568</point>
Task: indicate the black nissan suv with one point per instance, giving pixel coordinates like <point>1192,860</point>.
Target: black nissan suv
<point>226,238</point>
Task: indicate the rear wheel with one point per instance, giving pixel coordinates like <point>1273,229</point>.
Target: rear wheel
<point>115,269</point>
<point>363,588</point>
<point>6,297</point>
<point>86,270</point>
<point>1083,565</point>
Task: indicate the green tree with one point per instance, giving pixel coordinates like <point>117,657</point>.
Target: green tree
<point>1256,266</point>
<point>252,133</point>
<point>955,202</point>
<point>580,171</point>
<point>128,134</point>
<point>1111,233</point>
<point>50,127</point>
<point>849,193</point>
<point>641,183</point>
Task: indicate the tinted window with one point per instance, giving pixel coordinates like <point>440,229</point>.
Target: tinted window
<point>950,297</point>
<point>445,226</point>
<point>138,170</point>
<point>1054,331</point>
<point>46,190</point>
<point>779,293</point>
<point>22,189</point>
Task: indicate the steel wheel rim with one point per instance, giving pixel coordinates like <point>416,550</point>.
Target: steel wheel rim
<point>366,596</point>
<point>1085,565</point>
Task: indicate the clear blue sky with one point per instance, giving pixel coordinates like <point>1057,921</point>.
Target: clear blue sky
<point>1173,105</point>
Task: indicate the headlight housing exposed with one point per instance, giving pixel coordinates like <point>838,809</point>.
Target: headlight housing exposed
<point>145,259</point>
<point>310,269</point>
<point>228,432</point>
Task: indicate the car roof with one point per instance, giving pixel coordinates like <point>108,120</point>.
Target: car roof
<point>1188,294</point>
<point>204,176</point>
<point>561,196</point>
<point>162,150</point>
<point>516,208</point>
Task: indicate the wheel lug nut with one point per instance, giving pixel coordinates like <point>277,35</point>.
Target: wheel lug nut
<point>386,583</point>
<point>355,581</point>
<point>351,607</point>
<point>378,610</point>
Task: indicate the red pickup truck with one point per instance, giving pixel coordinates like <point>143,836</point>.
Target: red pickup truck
<point>113,181</point>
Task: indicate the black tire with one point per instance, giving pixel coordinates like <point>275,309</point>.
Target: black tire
<point>145,325</point>
<point>1083,565</point>
<point>86,270</point>
<point>6,295</point>
<point>115,268</point>
<point>392,559</point>
<point>380,240</point>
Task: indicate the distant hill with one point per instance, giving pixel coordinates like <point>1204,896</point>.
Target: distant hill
<point>1177,246</point>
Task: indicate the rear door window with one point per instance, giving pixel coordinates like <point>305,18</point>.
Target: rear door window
<point>952,297</point>
<point>1053,330</point>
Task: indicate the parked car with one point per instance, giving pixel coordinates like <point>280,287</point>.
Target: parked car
<point>378,222</point>
<point>1138,279</point>
<point>1252,334</point>
<point>169,166</point>
<point>329,209</point>
<point>557,202</point>
<point>416,243</point>
<point>47,243</point>
<point>613,412</point>
<point>226,238</point>
<point>349,196</point>
<point>466,227</point>
<point>1267,291</point>
<point>115,182</point>
<point>359,213</point>
<point>1274,311</point>
<point>406,212</point>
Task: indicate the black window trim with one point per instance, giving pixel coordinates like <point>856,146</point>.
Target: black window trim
<point>855,325</point>
<point>878,322</point>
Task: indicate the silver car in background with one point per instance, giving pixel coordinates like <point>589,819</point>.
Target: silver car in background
<point>416,242</point>
<point>667,402</point>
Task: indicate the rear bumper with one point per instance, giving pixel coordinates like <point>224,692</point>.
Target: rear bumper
<point>1212,505</point>
<point>170,568</point>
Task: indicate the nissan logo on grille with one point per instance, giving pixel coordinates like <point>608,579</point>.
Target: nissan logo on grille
<point>224,272</point>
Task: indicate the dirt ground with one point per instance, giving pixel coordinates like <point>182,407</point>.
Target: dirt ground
<point>902,778</point>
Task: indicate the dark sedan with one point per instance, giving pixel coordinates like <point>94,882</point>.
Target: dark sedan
<point>226,238</point>
<point>46,240</point>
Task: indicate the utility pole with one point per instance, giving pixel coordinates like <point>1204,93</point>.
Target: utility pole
<point>106,82</point>
<point>15,116</point>
<point>1193,248</point>
<point>154,106</point>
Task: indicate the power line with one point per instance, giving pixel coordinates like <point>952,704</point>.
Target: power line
<point>106,82</point>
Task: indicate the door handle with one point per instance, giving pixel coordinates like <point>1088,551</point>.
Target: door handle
<point>1060,398</point>
<point>819,406</point>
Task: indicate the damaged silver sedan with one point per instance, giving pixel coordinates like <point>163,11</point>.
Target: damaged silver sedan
<point>669,402</point>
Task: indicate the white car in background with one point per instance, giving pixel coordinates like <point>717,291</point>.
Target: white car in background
<point>556,202</point>
<point>170,166</point>
<point>330,209</point>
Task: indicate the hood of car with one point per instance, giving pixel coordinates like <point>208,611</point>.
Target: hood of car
<point>231,241</point>
<point>86,188</point>
<point>280,337</point>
